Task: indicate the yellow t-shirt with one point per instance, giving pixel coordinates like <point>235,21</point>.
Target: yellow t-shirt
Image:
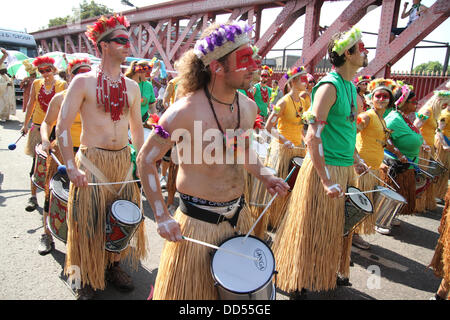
<point>428,129</point>
<point>445,115</point>
<point>39,113</point>
<point>370,141</point>
<point>290,120</point>
<point>75,129</point>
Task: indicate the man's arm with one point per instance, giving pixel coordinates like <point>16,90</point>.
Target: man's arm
<point>69,109</point>
<point>154,148</point>
<point>136,127</point>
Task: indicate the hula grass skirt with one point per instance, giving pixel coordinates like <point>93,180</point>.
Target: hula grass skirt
<point>365,183</point>
<point>440,262</point>
<point>442,183</point>
<point>184,268</point>
<point>309,243</point>
<point>34,138</point>
<point>87,210</point>
<point>427,200</point>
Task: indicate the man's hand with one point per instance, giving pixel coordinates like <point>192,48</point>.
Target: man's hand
<point>170,230</point>
<point>276,185</point>
<point>333,190</point>
<point>361,167</point>
<point>77,177</point>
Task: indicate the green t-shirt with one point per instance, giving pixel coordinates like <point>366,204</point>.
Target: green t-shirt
<point>263,106</point>
<point>403,137</point>
<point>339,135</point>
<point>147,96</point>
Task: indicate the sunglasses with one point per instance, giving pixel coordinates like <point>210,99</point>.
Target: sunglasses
<point>81,70</point>
<point>143,68</point>
<point>45,70</point>
<point>119,40</point>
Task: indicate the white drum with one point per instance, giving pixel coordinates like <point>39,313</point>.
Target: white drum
<point>357,208</point>
<point>122,222</point>
<point>241,278</point>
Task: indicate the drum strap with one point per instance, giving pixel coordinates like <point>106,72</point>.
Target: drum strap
<point>195,212</point>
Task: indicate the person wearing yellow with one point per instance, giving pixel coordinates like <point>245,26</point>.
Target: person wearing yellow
<point>75,67</point>
<point>427,122</point>
<point>442,145</point>
<point>286,126</point>
<point>42,92</point>
<point>372,138</point>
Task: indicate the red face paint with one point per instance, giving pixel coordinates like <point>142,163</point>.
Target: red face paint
<point>381,96</point>
<point>362,48</point>
<point>244,59</point>
<point>304,79</point>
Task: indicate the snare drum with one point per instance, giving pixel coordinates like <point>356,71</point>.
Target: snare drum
<point>122,221</point>
<point>240,278</point>
<point>357,208</point>
<point>40,168</point>
<point>423,181</point>
<point>59,195</point>
<point>297,163</point>
<point>387,204</point>
<point>436,170</point>
<point>259,197</point>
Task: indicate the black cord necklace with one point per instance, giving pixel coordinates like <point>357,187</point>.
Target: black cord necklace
<point>352,116</point>
<point>208,96</point>
<point>231,105</point>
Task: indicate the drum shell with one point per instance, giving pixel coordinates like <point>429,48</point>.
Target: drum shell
<point>40,169</point>
<point>436,169</point>
<point>423,181</point>
<point>56,220</point>
<point>293,178</point>
<point>266,291</point>
<point>354,215</point>
<point>387,209</point>
<point>118,233</point>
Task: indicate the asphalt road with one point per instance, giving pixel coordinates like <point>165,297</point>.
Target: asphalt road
<point>399,261</point>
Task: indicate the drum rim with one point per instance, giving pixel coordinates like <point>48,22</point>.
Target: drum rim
<point>293,160</point>
<point>404,200</point>
<point>127,224</point>
<point>39,152</point>
<point>52,189</point>
<point>246,292</point>
<point>362,194</point>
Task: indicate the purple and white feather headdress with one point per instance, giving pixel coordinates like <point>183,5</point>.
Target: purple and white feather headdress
<point>222,41</point>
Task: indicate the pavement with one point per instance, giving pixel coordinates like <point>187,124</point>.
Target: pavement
<point>395,267</point>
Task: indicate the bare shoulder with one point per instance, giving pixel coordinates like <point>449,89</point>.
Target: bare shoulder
<point>178,114</point>
<point>84,80</point>
<point>131,84</point>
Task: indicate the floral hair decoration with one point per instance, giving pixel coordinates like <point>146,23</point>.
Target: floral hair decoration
<point>267,69</point>
<point>347,40</point>
<point>44,61</point>
<point>29,67</point>
<point>381,84</point>
<point>442,93</point>
<point>79,63</point>
<point>105,26</point>
<point>362,79</point>
<point>222,41</point>
<point>294,72</point>
<point>406,90</point>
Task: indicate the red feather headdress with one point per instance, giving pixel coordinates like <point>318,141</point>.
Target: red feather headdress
<point>105,26</point>
<point>78,63</point>
<point>44,61</point>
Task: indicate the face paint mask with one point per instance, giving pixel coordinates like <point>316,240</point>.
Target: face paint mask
<point>244,59</point>
<point>362,48</point>
<point>381,96</point>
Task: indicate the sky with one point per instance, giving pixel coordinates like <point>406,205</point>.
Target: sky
<point>38,13</point>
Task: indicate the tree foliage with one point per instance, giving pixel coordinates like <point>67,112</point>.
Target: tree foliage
<point>431,66</point>
<point>84,11</point>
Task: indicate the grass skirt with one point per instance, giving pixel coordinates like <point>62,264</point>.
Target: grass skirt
<point>171,182</point>
<point>280,163</point>
<point>440,262</point>
<point>365,183</point>
<point>442,183</point>
<point>426,200</point>
<point>407,183</point>
<point>33,139</point>
<point>86,217</point>
<point>309,243</point>
<point>184,268</point>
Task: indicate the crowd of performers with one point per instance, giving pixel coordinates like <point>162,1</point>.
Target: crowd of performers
<point>98,143</point>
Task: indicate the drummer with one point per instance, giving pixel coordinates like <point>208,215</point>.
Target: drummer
<point>42,91</point>
<point>309,244</point>
<point>211,202</point>
<point>442,145</point>
<point>427,122</point>
<point>361,84</point>
<point>373,136</point>
<point>408,141</point>
<point>75,67</point>
<point>285,124</point>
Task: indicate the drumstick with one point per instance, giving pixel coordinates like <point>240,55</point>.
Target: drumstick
<point>13,146</point>
<point>365,171</point>
<point>393,180</point>
<point>61,168</point>
<point>418,164</point>
<point>373,174</point>
<point>270,135</point>
<point>370,191</point>
<point>267,207</point>
<point>219,248</point>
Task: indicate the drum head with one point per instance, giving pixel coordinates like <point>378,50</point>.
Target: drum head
<point>360,200</point>
<point>60,186</point>
<point>126,212</point>
<point>298,161</point>
<point>392,194</point>
<point>239,274</point>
